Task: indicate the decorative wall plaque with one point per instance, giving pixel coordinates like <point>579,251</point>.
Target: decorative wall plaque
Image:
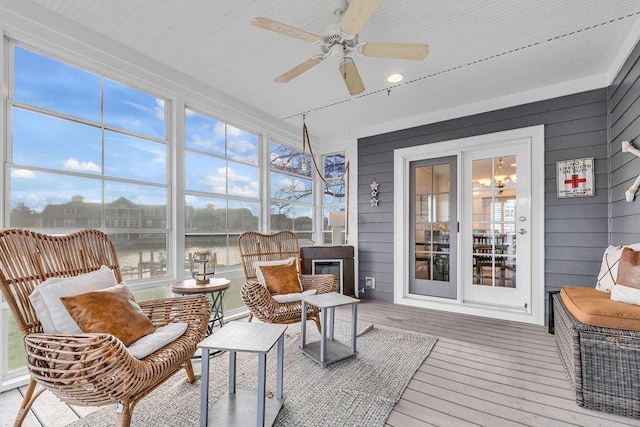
<point>575,178</point>
<point>374,192</point>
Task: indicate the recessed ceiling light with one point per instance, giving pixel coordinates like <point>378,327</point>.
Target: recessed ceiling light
<point>395,78</point>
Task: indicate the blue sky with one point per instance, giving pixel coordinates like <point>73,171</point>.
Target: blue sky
<point>73,143</point>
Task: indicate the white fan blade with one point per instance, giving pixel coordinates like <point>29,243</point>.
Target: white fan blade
<point>351,77</point>
<point>413,51</point>
<point>357,14</point>
<point>279,27</point>
<point>299,69</point>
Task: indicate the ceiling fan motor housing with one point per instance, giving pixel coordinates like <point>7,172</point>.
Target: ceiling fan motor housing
<point>340,40</point>
<point>334,44</point>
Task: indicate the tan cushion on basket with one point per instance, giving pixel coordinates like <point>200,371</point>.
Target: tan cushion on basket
<point>594,307</point>
<point>629,268</point>
<point>281,279</point>
<point>113,311</point>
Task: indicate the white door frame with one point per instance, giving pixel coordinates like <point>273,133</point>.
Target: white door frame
<point>402,158</point>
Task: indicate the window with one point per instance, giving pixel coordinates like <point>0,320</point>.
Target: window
<point>334,200</point>
<point>85,150</point>
<point>222,192</point>
<point>77,143</point>
<point>291,191</point>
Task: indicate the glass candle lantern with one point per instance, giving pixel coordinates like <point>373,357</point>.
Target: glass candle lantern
<point>203,266</point>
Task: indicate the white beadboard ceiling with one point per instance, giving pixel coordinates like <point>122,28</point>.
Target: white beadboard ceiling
<point>479,50</point>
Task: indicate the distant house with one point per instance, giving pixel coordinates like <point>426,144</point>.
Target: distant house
<point>121,213</point>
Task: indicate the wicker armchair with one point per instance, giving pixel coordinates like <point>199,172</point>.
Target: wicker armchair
<point>254,247</point>
<point>89,369</point>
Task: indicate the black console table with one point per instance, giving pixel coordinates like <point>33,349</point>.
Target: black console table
<point>336,260</point>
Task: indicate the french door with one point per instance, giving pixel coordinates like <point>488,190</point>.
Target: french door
<point>433,227</point>
<point>496,219</point>
<point>470,225</point>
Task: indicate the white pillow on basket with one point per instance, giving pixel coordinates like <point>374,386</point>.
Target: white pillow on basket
<point>609,267</point>
<point>626,294</point>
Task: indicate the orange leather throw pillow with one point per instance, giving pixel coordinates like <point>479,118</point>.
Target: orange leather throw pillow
<point>629,268</point>
<point>281,279</point>
<point>113,311</point>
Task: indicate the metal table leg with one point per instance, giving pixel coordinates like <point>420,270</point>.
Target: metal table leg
<point>354,319</point>
<point>204,388</point>
<point>262,384</point>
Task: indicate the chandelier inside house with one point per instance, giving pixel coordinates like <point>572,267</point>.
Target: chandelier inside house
<point>500,179</point>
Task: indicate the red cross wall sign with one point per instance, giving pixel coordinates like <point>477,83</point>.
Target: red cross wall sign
<point>575,178</point>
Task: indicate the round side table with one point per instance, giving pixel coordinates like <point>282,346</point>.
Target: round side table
<point>216,288</point>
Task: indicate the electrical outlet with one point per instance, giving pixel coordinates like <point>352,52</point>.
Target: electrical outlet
<point>370,282</point>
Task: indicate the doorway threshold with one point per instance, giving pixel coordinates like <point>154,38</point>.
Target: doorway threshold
<point>515,314</point>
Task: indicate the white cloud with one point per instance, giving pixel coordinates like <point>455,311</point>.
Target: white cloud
<point>242,146</point>
<point>135,106</point>
<point>218,129</point>
<point>233,175</point>
<point>250,190</point>
<point>206,144</point>
<point>217,182</point>
<point>22,173</point>
<point>233,131</point>
<point>131,123</point>
<point>75,165</point>
<point>159,110</point>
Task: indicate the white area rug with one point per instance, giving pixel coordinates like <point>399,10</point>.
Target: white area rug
<point>359,391</point>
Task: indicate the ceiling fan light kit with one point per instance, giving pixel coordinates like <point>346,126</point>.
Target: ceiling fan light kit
<point>338,41</point>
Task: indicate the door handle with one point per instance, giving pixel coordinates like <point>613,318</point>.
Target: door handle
<point>522,231</point>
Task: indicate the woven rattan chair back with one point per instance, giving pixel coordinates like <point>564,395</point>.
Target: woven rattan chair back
<point>256,246</point>
<point>90,369</point>
<point>28,258</point>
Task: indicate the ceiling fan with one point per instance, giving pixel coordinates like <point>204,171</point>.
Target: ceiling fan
<point>340,40</point>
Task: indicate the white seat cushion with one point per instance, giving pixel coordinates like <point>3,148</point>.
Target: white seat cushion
<point>46,298</point>
<point>155,341</point>
<point>282,298</point>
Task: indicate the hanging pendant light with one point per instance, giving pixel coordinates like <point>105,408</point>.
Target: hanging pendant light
<point>500,178</point>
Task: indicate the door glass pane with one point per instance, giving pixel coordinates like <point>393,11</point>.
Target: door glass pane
<point>432,222</point>
<point>494,221</point>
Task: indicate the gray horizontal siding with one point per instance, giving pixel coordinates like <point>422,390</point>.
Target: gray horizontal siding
<point>624,116</point>
<point>575,126</point>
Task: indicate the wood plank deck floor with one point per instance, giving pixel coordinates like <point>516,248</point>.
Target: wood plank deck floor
<point>482,372</point>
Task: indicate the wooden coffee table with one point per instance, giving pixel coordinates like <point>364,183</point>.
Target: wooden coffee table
<point>327,350</point>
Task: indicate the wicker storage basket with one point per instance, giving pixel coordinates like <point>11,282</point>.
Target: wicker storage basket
<point>603,364</point>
